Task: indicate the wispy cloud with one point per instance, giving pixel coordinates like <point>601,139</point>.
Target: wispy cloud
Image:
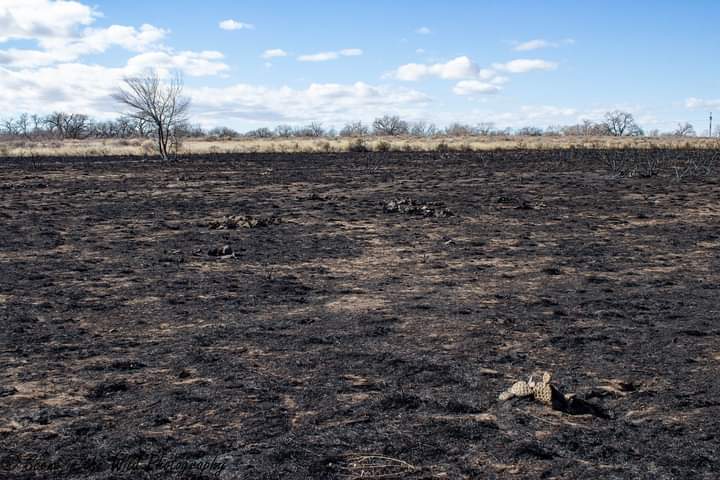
<point>326,56</point>
<point>469,87</point>
<point>231,24</point>
<point>539,43</point>
<point>423,31</point>
<point>274,53</point>
<point>351,52</point>
<point>524,65</point>
<point>701,104</point>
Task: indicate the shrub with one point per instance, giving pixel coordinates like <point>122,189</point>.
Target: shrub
<point>382,146</point>
<point>358,146</point>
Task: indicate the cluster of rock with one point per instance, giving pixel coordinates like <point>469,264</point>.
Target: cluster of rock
<point>409,206</point>
<point>232,222</point>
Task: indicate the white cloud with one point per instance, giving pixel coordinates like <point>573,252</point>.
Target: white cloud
<point>474,80</point>
<point>351,52</point>
<point>701,104</point>
<point>423,31</point>
<point>89,41</point>
<point>274,53</point>
<point>525,65</point>
<point>319,57</point>
<point>64,34</point>
<point>327,102</point>
<point>462,68</point>
<point>420,51</point>
<point>42,19</point>
<point>533,45</point>
<point>70,87</point>
<point>457,68</point>
<point>194,64</point>
<point>87,89</point>
<point>469,87</point>
<point>540,43</point>
<point>326,56</point>
<point>231,24</point>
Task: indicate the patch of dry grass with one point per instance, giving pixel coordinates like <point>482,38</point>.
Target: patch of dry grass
<point>201,146</point>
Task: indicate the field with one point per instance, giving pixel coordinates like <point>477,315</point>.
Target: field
<point>210,146</point>
<point>334,337</point>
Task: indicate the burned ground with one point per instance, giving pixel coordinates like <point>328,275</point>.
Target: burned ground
<point>345,339</point>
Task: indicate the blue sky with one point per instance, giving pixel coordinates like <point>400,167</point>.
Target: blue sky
<point>513,63</point>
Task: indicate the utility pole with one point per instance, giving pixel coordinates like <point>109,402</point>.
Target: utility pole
<point>710,129</point>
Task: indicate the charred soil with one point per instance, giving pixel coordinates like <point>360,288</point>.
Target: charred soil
<point>325,335</point>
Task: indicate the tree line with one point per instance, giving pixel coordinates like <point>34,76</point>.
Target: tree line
<point>62,125</point>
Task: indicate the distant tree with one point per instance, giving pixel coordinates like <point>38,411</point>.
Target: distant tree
<point>529,132</point>
<point>553,131</point>
<point>55,123</point>
<point>459,130</point>
<point>619,124</point>
<point>585,129</point>
<point>76,126</point>
<point>37,124</point>
<point>315,129</point>
<point>684,130</point>
<point>159,104</point>
<point>485,128</point>
<point>390,125</point>
<point>354,129</point>
<point>23,125</point>
<point>9,127</point>
<point>419,129</point>
<point>260,133</point>
<point>284,131</point>
<point>223,132</point>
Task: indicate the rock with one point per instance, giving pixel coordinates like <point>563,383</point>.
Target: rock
<point>232,222</point>
<point>224,251</point>
<point>409,206</point>
<point>105,389</point>
<point>7,391</point>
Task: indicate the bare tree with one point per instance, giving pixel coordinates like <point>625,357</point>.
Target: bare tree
<point>223,132</point>
<point>263,132</point>
<point>485,128</point>
<point>354,129</point>
<point>10,128</point>
<point>315,129</point>
<point>390,125</point>
<point>160,104</point>
<point>529,132</point>
<point>620,124</point>
<point>418,129</point>
<point>684,130</point>
<point>75,126</point>
<point>37,123</point>
<point>55,123</point>
<point>23,125</point>
<point>457,129</point>
<point>284,131</point>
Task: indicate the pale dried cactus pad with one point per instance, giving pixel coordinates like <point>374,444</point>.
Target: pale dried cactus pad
<point>540,391</point>
<point>519,389</point>
<point>543,393</point>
